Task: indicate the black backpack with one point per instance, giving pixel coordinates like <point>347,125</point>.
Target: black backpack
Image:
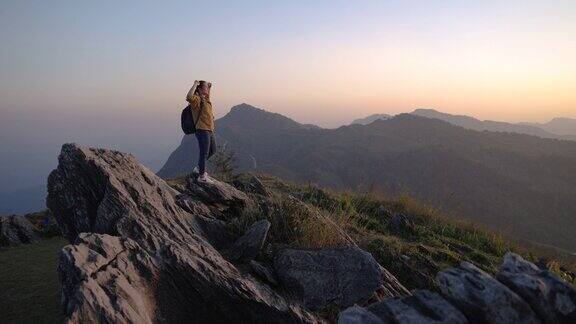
<point>187,120</point>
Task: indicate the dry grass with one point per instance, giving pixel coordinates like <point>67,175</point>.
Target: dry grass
<point>312,217</point>
<point>436,241</point>
<point>298,225</point>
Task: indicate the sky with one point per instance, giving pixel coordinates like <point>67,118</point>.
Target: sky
<point>115,73</point>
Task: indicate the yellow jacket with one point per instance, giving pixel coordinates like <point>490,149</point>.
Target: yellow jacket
<point>201,111</point>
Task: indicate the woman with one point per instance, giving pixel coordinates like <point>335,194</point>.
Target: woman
<point>199,99</point>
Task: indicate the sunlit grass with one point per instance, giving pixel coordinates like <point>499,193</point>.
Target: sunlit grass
<point>415,255</point>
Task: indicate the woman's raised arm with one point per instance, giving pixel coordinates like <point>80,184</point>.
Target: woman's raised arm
<point>192,92</point>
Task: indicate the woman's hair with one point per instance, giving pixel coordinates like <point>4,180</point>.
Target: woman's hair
<point>203,84</point>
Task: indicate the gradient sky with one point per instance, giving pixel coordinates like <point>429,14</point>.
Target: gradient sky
<point>322,62</point>
<point>116,72</point>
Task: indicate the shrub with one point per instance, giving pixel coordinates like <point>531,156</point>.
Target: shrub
<point>223,163</point>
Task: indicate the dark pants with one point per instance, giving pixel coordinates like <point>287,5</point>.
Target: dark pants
<point>207,146</point>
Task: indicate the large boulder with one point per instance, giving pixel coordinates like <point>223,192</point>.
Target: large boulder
<point>359,315</point>
<point>16,229</point>
<point>421,307</point>
<point>340,275</point>
<point>482,297</point>
<point>147,259</point>
<point>553,299</point>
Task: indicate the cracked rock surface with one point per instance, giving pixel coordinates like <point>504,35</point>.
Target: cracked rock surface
<point>137,256</point>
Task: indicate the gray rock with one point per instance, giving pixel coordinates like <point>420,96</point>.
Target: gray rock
<point>209,220</point>
<point>359,315</point>
<point>219,194</point>
<point>105,277</point>
<point>193,205</point>
<point>16,229</point>
<point>477,297</point>
<point>147,259</point>
<point>553,299</point>
<point>263,272</point>
<point>248,246</point>
<point>421,307</point>
<point>482,298</point>
<point>341,275</point>
<point>250,183</point>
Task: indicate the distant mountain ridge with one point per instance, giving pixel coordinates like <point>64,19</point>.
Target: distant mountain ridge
<point>540,130</point>
<point>507,181</point>
<point>370,119</point>
<point>559,125</point>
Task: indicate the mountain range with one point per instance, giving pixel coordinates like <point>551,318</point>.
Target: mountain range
<point>559,128</point>
<point>520,185</point>
<point>559,125</point>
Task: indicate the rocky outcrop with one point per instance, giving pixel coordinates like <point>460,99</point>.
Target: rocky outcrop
<point>138,257</point>
<point>107,277</point>
<point>219,194</point>
<point>143,252</point>
<point>483,297</point>
<point>421,307</point>
<point>553,299</point>
<point>522,293</point>
<point>341,276</point>
<point>45,223</point>
<point>17,229</point>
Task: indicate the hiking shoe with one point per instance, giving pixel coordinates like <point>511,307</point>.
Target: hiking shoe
<point>205,178</point>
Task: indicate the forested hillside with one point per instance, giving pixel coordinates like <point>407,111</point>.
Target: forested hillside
<point>521,185</point>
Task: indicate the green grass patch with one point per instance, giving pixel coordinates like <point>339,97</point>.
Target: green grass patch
<point>29,288</point>
<point>433,242</point>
